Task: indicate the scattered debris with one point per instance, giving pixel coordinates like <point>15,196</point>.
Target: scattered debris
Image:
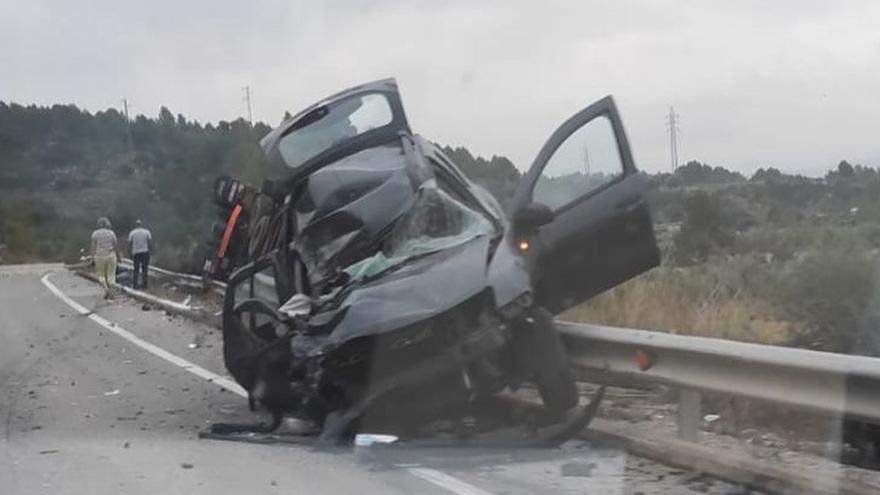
<point>111,393</point>
<point>126,445</point>
<point>711,418</point>
<point>49,451</point>
<point>147,307</point>
<point>578,468</point>
<point>186,465</point>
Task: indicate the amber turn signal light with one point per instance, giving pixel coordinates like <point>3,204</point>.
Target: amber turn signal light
<point>644,360</point>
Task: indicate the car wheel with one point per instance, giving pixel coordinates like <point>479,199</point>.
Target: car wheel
<point>544,355</point>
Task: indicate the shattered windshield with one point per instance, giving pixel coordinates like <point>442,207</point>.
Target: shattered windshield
<point>436,221</point>
<point>330,125</point>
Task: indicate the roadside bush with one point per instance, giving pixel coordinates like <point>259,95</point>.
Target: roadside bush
<point>712,299</point>
<point>706,229</point>
<point>833,294</point>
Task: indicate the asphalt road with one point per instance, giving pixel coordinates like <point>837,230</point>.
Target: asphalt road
<point>86,410</point>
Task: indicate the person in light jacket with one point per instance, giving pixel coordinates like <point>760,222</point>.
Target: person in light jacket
<point>105,252</point>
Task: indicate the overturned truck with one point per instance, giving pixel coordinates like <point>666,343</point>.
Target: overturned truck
<point>371,285</point>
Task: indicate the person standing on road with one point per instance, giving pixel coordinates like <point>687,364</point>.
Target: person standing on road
<point>105,252</point>
<point>140,241</point>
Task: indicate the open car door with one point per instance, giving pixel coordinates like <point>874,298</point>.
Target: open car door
<point>580,215</point>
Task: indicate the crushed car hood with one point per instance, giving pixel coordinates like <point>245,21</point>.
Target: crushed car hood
<point>416,291</point>
<point>345,205</point>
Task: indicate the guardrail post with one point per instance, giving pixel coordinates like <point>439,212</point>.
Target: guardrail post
<point>689,411</point>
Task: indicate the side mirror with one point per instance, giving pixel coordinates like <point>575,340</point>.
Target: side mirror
<point>532,216</point>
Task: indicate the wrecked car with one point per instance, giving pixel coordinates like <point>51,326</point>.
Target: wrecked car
<point>376,287</point>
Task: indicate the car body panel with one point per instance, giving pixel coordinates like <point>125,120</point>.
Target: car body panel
<point>342,207</point>
<point>597,240</point>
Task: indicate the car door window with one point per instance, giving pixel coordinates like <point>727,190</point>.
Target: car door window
<point>588,159</point>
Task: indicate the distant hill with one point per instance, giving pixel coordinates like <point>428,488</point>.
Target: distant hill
<point>62,167</point>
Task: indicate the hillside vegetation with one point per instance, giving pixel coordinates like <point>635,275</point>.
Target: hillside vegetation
<point>773,258</point>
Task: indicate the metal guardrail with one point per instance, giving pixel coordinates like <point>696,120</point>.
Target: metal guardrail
<point>824,382</point>
<point>159,272</point>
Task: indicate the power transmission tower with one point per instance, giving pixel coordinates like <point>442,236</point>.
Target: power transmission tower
<point>127,125</point>
<point>247,100</point>
<point>673,129</point>
<point>587,165</point>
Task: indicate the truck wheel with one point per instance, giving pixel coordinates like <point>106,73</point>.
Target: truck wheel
<point>541,345</point>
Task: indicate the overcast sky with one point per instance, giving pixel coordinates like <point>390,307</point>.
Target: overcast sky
<point>792,84</point>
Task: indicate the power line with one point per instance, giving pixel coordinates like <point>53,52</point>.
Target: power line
<point>247,100</point>
<point>673,129</point>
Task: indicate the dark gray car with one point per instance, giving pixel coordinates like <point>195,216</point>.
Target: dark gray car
<point>391,291</point>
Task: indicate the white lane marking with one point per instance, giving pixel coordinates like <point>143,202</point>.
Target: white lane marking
<point>432,476</point>
<point>143,344</point>
<point>447,482</point>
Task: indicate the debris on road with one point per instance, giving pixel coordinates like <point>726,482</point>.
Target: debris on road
<point>49,451</point>
<point>186,465</point>
<point>111,393</point>
<point>578,468</point>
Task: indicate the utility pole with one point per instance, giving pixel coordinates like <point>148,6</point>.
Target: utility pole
<point>672,128</point>
<point>127,125</point>
<point>587,165</point>
<point>247,100</point>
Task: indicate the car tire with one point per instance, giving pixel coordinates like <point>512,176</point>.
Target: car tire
<point>540,344</point>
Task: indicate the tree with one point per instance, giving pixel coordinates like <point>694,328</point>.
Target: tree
<point>706,228</point>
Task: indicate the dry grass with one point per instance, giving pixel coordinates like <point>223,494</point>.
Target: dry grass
<point>677,300</point>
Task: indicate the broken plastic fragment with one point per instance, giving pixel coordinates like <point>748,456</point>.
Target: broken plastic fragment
<point>369,439</point>
<point>298,305</point>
